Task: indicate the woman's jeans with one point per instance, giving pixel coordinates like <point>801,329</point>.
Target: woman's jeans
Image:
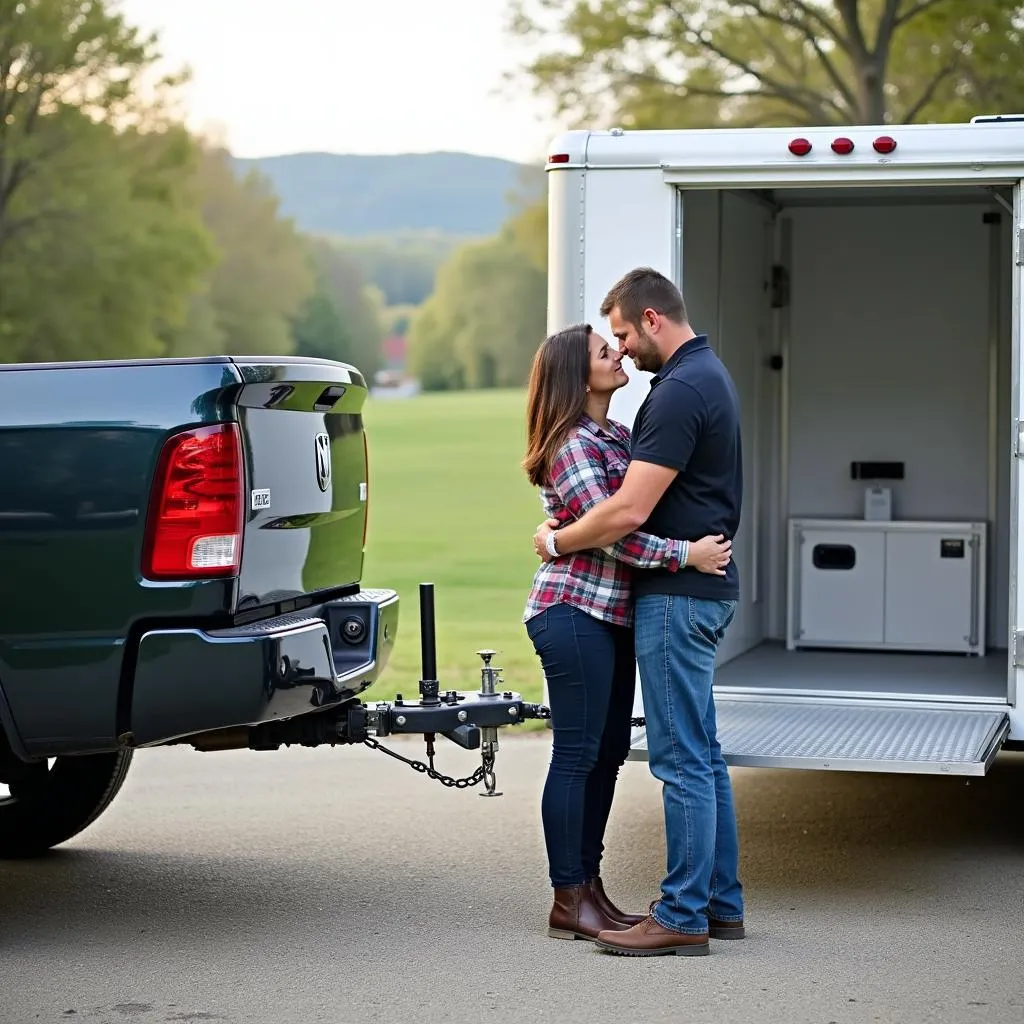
<point>590,669</point>
<point>676,642</point>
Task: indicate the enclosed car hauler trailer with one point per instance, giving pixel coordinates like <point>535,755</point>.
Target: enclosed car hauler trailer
<point>864,287</point>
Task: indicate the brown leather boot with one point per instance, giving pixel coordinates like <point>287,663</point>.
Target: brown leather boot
<point>648,938</point>
<point>725,929</point>
<point>610,910</point>
<point>575,914</point>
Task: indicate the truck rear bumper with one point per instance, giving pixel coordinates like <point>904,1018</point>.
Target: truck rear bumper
<point>189,680</point>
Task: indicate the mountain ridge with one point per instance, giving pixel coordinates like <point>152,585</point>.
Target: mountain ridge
<point>359,195</point>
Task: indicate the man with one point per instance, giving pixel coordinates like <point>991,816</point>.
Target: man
<point>685,480</point>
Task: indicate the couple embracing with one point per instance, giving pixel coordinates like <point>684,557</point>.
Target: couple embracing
<point>636,570</point>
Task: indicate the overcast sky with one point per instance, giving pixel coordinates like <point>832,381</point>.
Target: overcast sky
<point>349,76</point>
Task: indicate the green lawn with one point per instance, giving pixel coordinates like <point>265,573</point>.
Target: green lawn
<point>449,505</point>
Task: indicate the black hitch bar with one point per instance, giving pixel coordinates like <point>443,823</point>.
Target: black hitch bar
<point>469,719</point>
<point>465,718</point>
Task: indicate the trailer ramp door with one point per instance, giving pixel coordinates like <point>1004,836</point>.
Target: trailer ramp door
<point>856,738</point>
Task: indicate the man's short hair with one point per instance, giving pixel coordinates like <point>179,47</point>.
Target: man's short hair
<point>645,288</point>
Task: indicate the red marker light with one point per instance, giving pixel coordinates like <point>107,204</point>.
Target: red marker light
<point>884,144</point>
<point>842,146</point>
<point>800,147</point>
<point>559,158</point>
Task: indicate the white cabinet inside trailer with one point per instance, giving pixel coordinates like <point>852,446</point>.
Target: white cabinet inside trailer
<point>869,314</point>
<point>837,582</point>
<point>899,586</point>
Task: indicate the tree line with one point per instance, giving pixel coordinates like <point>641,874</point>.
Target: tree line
<point>699,64</point>
<point>124,235</point>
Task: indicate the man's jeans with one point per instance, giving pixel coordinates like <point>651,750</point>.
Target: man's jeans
<point>676,640</point>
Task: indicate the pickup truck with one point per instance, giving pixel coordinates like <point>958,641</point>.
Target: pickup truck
<point>181,556</point>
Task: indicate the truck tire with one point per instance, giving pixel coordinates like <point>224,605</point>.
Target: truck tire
<point>57,801</point>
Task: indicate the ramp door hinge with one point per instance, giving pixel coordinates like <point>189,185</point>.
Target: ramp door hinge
<point>1019,253</point>
<point>1018,438</point>
<point>1018,650</point>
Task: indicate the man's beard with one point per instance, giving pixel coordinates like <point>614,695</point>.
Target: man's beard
<point>647,357</point>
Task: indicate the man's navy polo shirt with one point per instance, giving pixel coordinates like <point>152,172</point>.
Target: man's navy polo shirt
<point>690,421</point>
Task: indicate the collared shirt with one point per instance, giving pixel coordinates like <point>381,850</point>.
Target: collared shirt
<point>588,468</point>
<point>690,422</point>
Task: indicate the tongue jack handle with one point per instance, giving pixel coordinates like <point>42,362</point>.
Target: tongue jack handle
<point>429,686</point>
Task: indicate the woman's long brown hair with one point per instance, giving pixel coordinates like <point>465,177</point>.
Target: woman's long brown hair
<point>556,397</point>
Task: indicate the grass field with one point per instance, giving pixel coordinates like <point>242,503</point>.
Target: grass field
<point>449,505</point>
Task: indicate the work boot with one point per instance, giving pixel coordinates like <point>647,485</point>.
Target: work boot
<point>648,938</point>
<point>725,929</point>
<point>716,929</point>
<point>610,910</point>
<point>575,914</point>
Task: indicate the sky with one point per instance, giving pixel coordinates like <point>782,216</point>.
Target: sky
<point>350,76</point>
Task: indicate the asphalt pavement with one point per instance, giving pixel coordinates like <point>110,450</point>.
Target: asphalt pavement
<point>340,886</point>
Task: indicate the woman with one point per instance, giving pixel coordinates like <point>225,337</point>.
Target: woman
<point>579,616</point>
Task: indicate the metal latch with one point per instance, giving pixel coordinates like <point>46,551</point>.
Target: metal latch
<point>1018,650</point>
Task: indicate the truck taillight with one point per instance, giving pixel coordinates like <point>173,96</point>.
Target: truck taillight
<point>194,529</point>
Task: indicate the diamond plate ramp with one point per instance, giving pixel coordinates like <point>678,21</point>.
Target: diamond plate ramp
<point>838,737</point>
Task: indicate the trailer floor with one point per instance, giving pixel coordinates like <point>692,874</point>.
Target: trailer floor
<point>771,669</point>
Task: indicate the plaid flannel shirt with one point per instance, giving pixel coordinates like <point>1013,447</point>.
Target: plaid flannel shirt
<point>588,468</point>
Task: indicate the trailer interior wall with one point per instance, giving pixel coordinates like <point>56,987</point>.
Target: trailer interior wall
<point>895,345</point>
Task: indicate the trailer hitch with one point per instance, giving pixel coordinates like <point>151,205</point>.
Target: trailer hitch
<point>469,719</point>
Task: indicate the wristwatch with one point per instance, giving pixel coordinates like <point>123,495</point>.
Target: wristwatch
<point>550,545</point>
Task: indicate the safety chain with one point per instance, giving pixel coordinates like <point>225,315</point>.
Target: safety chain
<point>484,773</point>
<point>545,712</point>
<point>446,780</point>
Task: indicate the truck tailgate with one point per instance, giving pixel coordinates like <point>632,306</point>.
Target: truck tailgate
<point>306,478</point>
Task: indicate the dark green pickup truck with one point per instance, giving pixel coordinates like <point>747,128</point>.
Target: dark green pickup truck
<point>181,555</point>
<point>181,548</point>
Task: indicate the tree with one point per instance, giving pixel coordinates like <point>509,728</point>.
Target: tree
<point>668,63</point>
<point>341,319</point>
<point>528,232</point>
<point>358,306</point>
<point>99,237</point>
<point>403,266</point>
<point>484,321</point>
<point>262,276</point>
<point>432,356</point>
<point>110,258</point>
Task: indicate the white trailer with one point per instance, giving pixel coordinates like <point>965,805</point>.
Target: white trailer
<point>864,287</point>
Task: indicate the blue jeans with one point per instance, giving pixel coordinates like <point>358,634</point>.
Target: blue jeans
<point>676,641</point>
<point>591,671</point>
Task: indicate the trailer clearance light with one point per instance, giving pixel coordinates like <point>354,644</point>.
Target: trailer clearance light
<point>194,529</point>
<point>884,144</point>
<point>800,147</point>
<point>842,146</point>
<point>559,158</point>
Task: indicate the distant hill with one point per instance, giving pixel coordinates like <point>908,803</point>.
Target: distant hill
<point>450,193</point>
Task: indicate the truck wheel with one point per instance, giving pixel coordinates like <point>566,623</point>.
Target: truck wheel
<point>45,804</point>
